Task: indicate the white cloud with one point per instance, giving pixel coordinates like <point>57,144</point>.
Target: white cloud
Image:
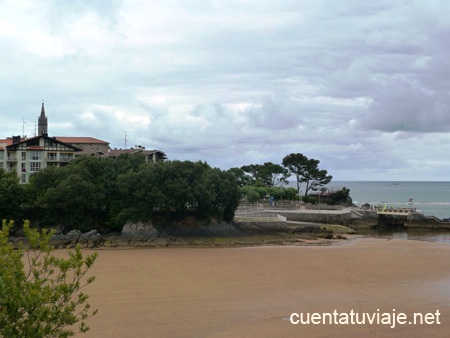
<point>362,86</point>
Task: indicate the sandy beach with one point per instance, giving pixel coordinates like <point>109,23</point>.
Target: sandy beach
<point>252,292</point>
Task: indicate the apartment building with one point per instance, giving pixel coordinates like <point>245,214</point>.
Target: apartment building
<point>26,156</point>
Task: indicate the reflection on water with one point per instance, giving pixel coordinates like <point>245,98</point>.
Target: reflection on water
<point>417,235</point>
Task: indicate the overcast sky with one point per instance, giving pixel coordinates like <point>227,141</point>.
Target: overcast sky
<point>362,86</point>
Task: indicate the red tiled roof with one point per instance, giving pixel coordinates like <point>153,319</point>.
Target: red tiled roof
<point>8,141</point>
<point>117,152</point>
<point>79,140</point>
<point>89,152</point>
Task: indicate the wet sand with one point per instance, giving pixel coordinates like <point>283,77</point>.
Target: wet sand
<point>251,292</point>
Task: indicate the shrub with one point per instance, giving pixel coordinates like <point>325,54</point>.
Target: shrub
<point>253,196</point>
<point>39,292</point>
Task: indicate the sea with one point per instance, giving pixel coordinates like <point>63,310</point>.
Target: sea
<point>431,198</point>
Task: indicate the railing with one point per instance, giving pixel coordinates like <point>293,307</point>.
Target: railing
<point>356,212</point>
<point>437,219</point>
<point>249,214</point>
<point>65,159</point>
<point>391,210</point>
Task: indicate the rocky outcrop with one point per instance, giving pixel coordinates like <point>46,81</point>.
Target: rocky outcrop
<point>139,230</point>
<point>203,228</point>
<point>89,239</point>
<point>138,234</point>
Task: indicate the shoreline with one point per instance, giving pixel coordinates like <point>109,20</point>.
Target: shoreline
<point>324,238</point>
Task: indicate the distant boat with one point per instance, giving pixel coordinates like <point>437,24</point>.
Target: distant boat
<point>395,183</point>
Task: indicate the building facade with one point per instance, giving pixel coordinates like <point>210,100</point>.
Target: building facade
<point>86,144</point>
<point>27,156</point>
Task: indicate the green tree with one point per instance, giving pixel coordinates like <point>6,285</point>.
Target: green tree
<point>81,195</point>
<point>40,293</point>
<point>100,173</point>
<point>306,171</point>
<point>267,174</point>
<point>254,193</point>
<point>130,162</point>
<point>252,196</point>
<point>341,197</point>
<point>224,194</point>
<point>242,178</point>
<point>273,174</point>
<point>11,195</point>
<point>74,202</point>
<point>253,171</point>
<point>283,193</point>
<point>177,187</point>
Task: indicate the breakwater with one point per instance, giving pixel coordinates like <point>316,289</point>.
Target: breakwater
<point>353,216</point>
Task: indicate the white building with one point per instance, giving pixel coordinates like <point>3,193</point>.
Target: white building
<point>29,155</point>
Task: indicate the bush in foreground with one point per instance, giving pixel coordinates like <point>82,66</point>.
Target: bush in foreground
<point>40,293</point>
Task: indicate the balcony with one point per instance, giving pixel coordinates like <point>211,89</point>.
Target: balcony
<point>65,159</point>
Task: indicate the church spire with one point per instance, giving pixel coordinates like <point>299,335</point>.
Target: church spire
<point>42,122</point>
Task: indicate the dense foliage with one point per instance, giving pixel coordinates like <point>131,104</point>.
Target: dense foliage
<point>255,193</point>
<point>178,187</point>
<point>341,197</point>
<point>103,193</point>
<point>267,174</point>
<point>260,181</point>
<point>306,170</point>
<point>39,292</point>
<point>11,195</point>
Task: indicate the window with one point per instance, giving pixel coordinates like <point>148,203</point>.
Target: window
<point>11,156</point>
<point>35,155</point>
<point>35,166</point>
<point>66,157</point>
<point>24,167</point>
<point>51,157</point>
<point>24,178</point>
<point>49,144</point>
<point>24,156</point>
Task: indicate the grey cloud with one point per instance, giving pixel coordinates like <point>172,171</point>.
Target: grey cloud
<point>238,82</point>
<point>405,107</point>
<point>276,113</point>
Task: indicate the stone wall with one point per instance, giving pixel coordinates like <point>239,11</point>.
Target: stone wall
<point>317,217</point>
<point>427,223</point>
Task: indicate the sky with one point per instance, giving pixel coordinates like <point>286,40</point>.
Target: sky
<point>362,86</point>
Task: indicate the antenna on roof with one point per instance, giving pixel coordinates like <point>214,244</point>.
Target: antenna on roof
<point>23,127</point>
<point>126,139</point>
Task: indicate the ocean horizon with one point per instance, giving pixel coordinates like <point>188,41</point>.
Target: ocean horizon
<point>430,197</point>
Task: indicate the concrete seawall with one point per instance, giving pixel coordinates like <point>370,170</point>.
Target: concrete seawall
<point>355,218</point>
<point>342,217</point>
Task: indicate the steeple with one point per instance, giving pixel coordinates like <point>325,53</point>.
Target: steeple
<point>42,122</point>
